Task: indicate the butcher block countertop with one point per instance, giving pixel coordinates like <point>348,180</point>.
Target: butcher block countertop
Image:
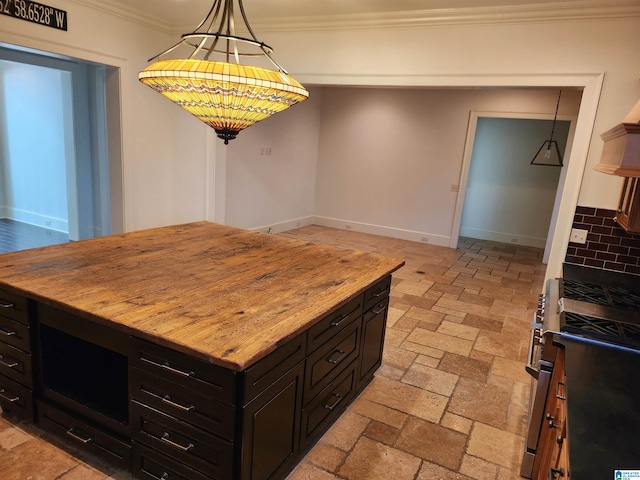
<point>224,295</point>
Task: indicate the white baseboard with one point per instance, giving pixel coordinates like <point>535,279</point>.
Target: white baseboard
<point>37,219</point>
<point>391,232</point>
<point>503,237</point>
<point>284,226</point>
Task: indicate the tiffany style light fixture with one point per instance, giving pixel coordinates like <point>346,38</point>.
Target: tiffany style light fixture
<point>226,96</point>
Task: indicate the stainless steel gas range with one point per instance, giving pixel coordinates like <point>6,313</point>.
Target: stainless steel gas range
<point>588,312</point>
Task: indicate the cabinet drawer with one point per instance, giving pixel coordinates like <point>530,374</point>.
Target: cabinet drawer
<point>189,373</point>
<point>327,406</point>
<point>16,399</point>
<point>259,376</point>
<point>14,306</point>
<point>84,435</point>
<point>373,330</point>
<point>15,333</point>
<point>324,364</point>
<point>189,406</point>
<point>15,364</point>
<point>326,328</point>
<point>151,465</point>
<point>203,452</point>
<point>377,292</point>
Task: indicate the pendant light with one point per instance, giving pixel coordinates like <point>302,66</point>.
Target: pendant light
<point>549,153</point>
<point>225,94</point>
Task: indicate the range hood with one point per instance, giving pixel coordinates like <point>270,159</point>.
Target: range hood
<point>621,151</point>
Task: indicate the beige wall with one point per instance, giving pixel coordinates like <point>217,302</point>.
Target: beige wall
<point>169,165</point>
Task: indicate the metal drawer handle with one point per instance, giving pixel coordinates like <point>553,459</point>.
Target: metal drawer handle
<point>335,404</point>
<point>182,448</point>
<point>8,399</point>
<point>167,366</point>
<point>5,304</point>
<point>164,476</point>
<point>380,292</point>
<point>560,396</point>
<point>167,399</point>
<point>77,437</point>
<point>555,472</point>
<point>343,317</point>
<point>333,361</point>
<point>13,364</point>
<point>530,368</point>
<point>376,312</point>
<point>6,332</point>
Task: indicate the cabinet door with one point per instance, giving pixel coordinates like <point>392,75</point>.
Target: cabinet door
<point>271,427</point>
<point>553,425</point>
<point>373,328</point>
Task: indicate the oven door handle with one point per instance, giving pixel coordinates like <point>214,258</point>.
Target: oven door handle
<point>530,368</point>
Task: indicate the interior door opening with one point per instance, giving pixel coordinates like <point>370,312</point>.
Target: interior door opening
<point>58,127</point>
<point>503,197</point>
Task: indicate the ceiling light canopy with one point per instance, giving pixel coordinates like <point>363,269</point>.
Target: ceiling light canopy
<point>225,95</point>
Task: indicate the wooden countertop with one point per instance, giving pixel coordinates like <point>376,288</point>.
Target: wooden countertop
<point>225,295</point>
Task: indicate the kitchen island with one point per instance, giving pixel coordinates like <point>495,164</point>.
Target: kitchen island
<point>195,351</point>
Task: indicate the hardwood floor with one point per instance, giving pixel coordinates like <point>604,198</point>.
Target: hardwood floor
<point>449,402</point>
<point>22,236</point>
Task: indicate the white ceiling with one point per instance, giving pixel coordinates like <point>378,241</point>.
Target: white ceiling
<point>180,13</point>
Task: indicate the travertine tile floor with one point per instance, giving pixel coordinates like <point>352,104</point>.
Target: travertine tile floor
<point>449,401</point>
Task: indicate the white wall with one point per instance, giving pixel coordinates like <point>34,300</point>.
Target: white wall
<point>435,55</point>
<point>534,53</point>
<point>271,169</point>
<point>389,157</point>
<point>33,181</point>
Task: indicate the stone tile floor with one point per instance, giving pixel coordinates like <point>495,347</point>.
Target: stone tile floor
<point>449,401</point>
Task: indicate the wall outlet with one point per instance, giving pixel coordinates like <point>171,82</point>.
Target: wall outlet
<point>425,239</point>
<point>348,227</point>
<point>578,236</point>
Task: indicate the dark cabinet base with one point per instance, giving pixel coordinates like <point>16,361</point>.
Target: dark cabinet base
<point>182,418</point>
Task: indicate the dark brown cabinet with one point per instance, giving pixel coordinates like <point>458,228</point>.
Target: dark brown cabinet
<point>551,459</point>
<point>16,374</point>
<point>177,417</point>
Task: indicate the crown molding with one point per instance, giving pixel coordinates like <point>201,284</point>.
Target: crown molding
<point>126,12</point>
<point>579,10</point>
<point>569,10</point>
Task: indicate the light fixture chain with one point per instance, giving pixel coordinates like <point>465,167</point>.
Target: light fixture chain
<point>553,125</point>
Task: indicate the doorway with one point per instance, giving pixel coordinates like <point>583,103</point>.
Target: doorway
<point>55,168</point>
<point>502,196</point>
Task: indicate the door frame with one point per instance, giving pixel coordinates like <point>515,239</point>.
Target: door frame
<point>468,155</point>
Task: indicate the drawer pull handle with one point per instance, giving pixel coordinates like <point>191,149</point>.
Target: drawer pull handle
<point>167,399</point>
<point>79,438</point>
<point>335,404</point>
<point>8,399</point>
<point>12,364</point>
<point>379,292</point>
<point>167,366</point>
<point>380,310</point>
<point>555,472</point>
<point>5,304</point>
<point>182,448</point>
<point>7,333</point>
<point>164,476</point>
<point>560,396</point>
<point>343,317</point>
<point>334,361</point>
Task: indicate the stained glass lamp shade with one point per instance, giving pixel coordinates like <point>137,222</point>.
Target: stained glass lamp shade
<point>226,96</point>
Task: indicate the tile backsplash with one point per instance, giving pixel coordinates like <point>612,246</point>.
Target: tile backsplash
<point>608,246</point>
